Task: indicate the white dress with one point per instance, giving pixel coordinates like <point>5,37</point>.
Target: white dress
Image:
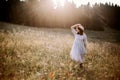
<point>78,50</point>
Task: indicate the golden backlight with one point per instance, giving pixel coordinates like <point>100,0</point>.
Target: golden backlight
<point>57,3</point>
<point>78,3</point>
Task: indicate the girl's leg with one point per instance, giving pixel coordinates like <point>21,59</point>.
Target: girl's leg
<point>83,57</point>
<point>82,60</point>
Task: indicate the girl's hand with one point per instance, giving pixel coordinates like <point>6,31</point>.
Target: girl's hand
<point>77,24</point>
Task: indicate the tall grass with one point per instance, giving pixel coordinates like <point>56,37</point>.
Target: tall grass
<point>43,54</point>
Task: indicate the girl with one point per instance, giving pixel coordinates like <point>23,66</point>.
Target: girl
<point>79,45</point>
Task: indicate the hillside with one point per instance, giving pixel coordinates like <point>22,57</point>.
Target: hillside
<point>29,53</point>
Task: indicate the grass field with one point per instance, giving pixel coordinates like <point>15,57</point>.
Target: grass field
<point>28,53</point>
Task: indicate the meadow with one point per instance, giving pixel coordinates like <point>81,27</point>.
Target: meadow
<point>29,53</point>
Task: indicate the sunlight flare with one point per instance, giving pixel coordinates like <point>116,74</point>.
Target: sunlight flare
<point>58,3</point>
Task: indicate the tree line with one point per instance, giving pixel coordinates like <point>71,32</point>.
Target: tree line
<point>42,14</point>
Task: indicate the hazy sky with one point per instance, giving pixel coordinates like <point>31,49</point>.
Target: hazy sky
<point>80,2</point>
<point>98,1</point>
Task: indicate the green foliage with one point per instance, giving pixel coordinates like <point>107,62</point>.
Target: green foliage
<point>41,13</point>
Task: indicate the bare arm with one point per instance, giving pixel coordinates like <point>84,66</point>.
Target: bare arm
<point>73,28</point>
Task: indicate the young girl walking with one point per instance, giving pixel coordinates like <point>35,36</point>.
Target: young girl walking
<point>78,50</point>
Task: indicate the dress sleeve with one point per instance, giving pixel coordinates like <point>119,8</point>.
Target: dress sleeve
<point>85,40</point>
<point>73,29</point>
